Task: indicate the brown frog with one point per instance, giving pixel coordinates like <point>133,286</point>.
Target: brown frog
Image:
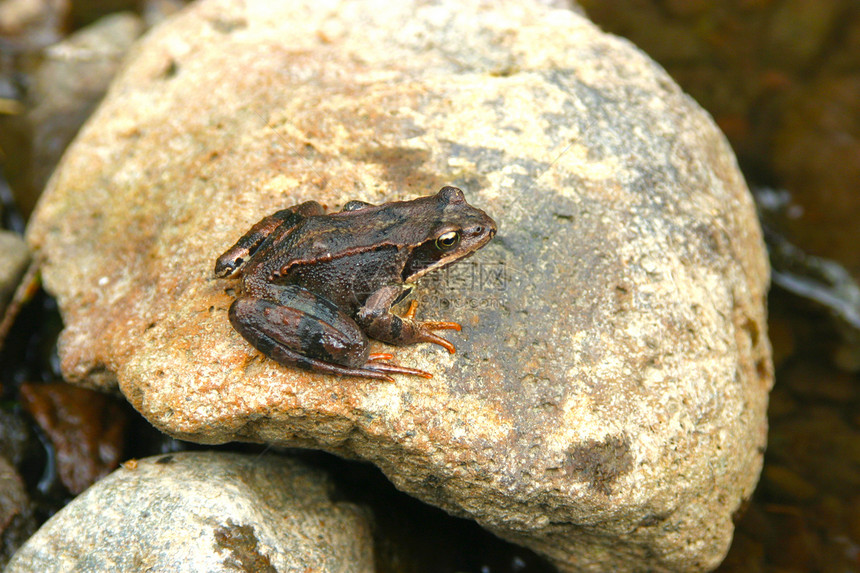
<point>316,285</point>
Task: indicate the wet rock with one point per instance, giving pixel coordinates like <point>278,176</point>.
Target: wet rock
<point>819,446</point>
<point>815,155</point>
<point>783,483</point>
<point>85,427</point>
<point>204,512</point>
<point>606,406</point>
<point>66,88</point>
<point>16,519</point>
<point>800,31</point>
<point>15,437</point>
<point>14,258</point>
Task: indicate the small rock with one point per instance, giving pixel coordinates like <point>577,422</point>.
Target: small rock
<point>204,511</point>
<point>16,439</point>
<point>33,23</point>
<point>69,84</point>
<point>14,258</point>
<point>606,406</point>
<point>16,519</point>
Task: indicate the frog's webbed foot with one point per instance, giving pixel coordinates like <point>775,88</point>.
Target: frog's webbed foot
<point>380,323</point>
<point>425,328</point>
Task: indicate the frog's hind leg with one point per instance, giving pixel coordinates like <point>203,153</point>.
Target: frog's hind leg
<point>287,357</point>
<point>301,329</point>
<point>283,355</point>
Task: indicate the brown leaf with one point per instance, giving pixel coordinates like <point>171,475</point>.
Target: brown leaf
<point>87,429</point>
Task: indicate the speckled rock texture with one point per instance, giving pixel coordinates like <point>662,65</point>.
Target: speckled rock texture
<point>606,406</point>
<point>204,512</point>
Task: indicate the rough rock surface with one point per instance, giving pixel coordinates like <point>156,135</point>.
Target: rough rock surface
<point>203,511</point>
<point>606,406</point>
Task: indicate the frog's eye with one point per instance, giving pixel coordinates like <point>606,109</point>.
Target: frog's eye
<point>355,205</point>
<point>447,241</point>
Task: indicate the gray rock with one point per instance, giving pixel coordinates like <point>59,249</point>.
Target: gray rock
<point>16,438</point>
<point>14,258</point>
<point>204,511</point>
<point>606,406</point>
<point>72,79</point>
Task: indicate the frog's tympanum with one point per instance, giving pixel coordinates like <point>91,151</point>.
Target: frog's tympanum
<point>316,285</point>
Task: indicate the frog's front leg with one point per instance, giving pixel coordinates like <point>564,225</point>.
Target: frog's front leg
<point>377,320</point>
<point>237,255</point>
<point>296,327</point>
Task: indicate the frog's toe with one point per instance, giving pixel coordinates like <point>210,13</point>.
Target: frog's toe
<point>427,336</point>
<point>375,366</point>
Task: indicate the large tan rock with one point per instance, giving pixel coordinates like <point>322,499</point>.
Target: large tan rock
<point>606,406</point>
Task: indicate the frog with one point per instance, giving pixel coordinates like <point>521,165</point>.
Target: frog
<point>315,286</point>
